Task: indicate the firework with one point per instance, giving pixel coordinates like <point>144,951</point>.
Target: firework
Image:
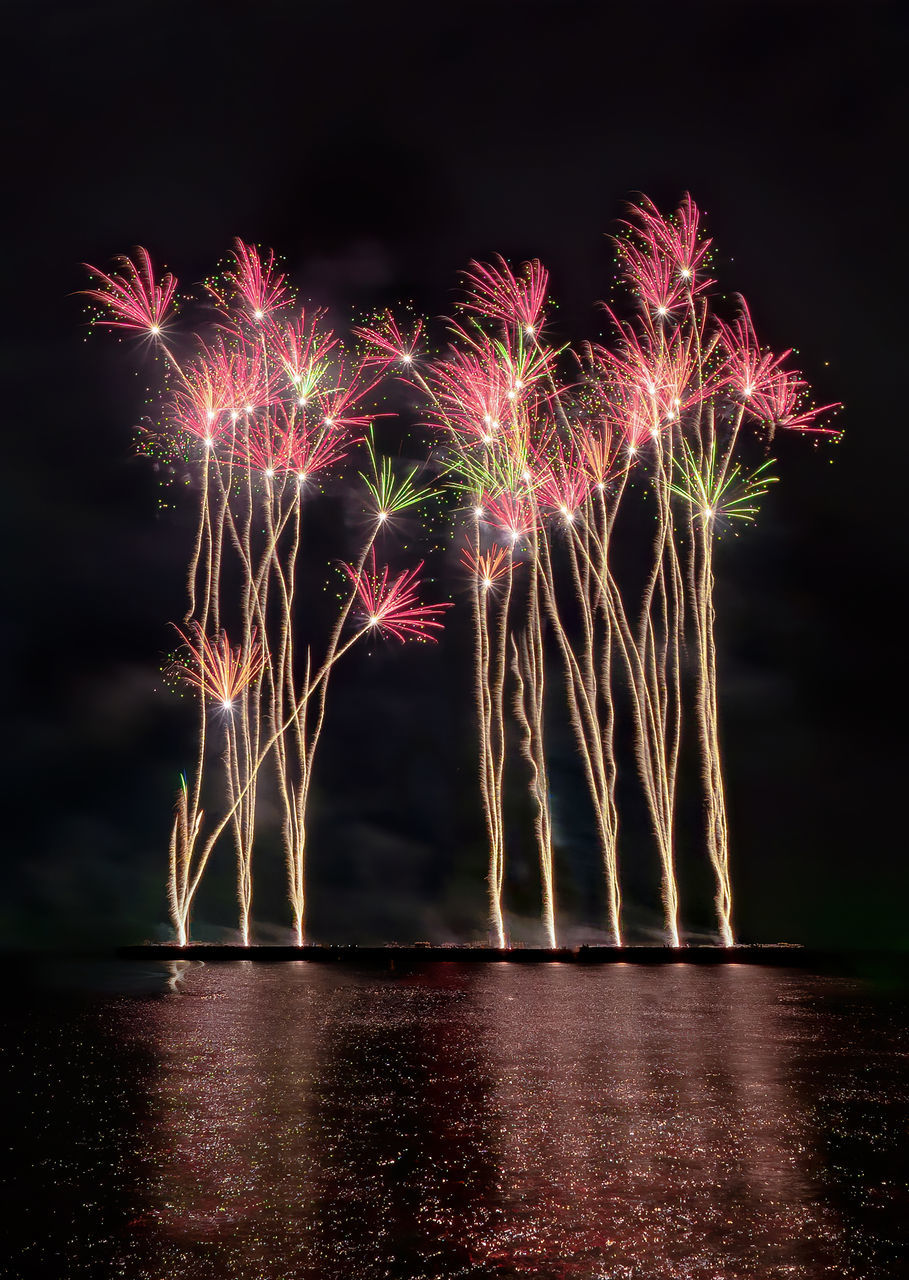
<point>392,606</point>
<point>388,343</point>
<point>266,409</point>
<point>131,299</point>
<point>222,674</point>
<point>257,283</point>
<point>517,301</point>
<point>529,667</point>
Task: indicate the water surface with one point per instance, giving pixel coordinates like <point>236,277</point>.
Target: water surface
<point>269,1122</point>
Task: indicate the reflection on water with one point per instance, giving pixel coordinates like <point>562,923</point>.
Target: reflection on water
<point>271,1122</point>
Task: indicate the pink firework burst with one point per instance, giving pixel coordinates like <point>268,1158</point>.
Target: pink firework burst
<point>258,283</point>
<point>599,452</point>
<point>196,408</point>
<point>132,295</point>
<point>473,391</point>
<point>340,406</point>
<point>211,386</point>
<point>524,368</point>
<point>750,371</point>
<point>280,441</point>
<point>240,374</point>
<point>393,606</point>
<point>497,292</point>
<point>782,404</point>
<point>630,409</point>
<point>652,274</point>
<point>564,484</point>
<point>308,451</point>
<point>771,394</point>
<point>387,341</point>
<point>220,671</point>
<point>657,370</point>
<point>679,238</point>
<point>514,514</point>
<point>301,347</point>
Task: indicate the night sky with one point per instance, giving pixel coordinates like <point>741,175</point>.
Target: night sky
<point>379,149</point>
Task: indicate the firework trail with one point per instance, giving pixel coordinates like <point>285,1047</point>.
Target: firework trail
<point>528,665</point>
<point>585,517</point>
<point>216,399</point>
<point>490,603</point>
<point>515,428</point>
<point>492,665</point>
<point>130,299</point>
<point>288,448</point>
<point>645,387</point>
<point>391,608</point>
<point>637,393</point>
<point>655,401</point>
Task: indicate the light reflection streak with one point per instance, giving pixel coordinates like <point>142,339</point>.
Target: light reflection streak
<point>478,1121</point>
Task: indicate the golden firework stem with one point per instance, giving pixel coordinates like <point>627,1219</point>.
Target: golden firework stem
<point>604,673</point>
<point>295,750</point>
<point>588,682</point>
<point>717,831</point>
<point>488,792</point>
<point>600,732</point>
<point>244,726</point>
<point>595,749</point>
<point>498,662</point>
<point>293,835</point>
<point>535,667</point>
<point>528,668</point>
<point>700,584</point>
<point>645,670</point>
<point>189,814</point>
<point>242,837</point>
<point>203,529</point>
<point>258,569</point>
<point>707,699</point>
<point>185,831</point>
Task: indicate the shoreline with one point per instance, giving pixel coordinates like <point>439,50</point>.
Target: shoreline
<point>773,956</point>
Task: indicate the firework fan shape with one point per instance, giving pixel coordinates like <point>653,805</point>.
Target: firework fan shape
<point>389,343</point>
<point>280,441</point>
<point>662,256</point>
<point>218,670</point>
<point>489,566</point>
<point>496,292</point>
<point>257,283</point>
<point>135,300</point>
<point>514,514</point>
<point>392,605</point>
